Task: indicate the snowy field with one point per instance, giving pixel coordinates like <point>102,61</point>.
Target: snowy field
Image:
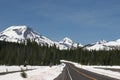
<point>49,73</point>
<point>40,72</point>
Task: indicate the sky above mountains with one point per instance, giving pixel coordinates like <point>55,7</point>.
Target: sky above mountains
<point>84,21</point>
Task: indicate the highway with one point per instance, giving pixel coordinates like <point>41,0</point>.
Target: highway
<point>70,72</point>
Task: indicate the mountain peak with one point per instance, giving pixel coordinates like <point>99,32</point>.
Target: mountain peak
<point>101,42</point>
<point>66,40</point>
<point>69,43</point>
<point>16,27</point>
<point>22,33</point>
<point>16,32</point>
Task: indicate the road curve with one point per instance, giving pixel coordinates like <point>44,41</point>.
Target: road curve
<point>70,72</point>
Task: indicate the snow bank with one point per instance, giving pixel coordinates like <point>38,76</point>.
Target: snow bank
<point>103,71</point>
<point>39,72</point>
<point>4,68</point>
<point>48,73</point>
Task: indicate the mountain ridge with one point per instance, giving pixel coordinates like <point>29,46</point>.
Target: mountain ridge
<point>22,33</point>
<point>104,45</point>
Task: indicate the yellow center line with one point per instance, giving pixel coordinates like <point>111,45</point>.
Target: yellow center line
<point>85,75</point>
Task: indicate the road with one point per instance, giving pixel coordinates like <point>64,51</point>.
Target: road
<point>70,72</point>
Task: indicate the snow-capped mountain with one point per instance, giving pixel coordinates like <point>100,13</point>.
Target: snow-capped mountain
<point>104,45</point>
<point>22,33</point>
<point>69,43</point>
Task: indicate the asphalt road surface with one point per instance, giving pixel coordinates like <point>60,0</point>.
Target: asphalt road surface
<point>70,72</point>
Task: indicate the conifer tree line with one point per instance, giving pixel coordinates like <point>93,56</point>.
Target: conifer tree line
<point>34,54</point>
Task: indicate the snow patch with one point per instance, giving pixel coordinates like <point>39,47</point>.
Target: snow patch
<point>39,72</point>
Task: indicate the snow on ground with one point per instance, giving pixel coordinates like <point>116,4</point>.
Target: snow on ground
<point>40,72</point>
<point>98,69</point>
<point>49,73</point>
<point>4,68</point>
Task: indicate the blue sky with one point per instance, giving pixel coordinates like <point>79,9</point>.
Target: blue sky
<point>84,21</point>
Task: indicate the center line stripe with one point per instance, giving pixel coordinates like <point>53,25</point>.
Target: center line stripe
<point>85,75</point>
<point>69,74</point>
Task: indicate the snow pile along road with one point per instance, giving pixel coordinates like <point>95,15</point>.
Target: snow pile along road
<point>45,74</point>
<point>101,71</point>
<point>40,73</point>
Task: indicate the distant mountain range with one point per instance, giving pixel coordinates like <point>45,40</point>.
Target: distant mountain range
<point>104,45</point>
<point>22,33</point>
